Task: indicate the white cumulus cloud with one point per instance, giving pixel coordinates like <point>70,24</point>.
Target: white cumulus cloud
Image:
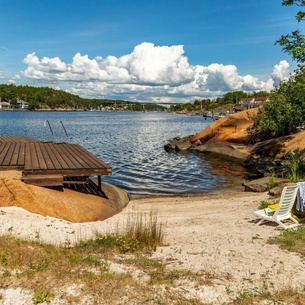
<point>148,73</point>
<point>281,72</point>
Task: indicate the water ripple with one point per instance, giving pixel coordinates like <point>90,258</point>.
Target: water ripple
<point>132,144</point>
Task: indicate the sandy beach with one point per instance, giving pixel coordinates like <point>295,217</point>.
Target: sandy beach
<point>213,233</point>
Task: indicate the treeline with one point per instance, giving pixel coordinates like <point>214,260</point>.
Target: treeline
<point>228,99</point>
<point>48,98</point>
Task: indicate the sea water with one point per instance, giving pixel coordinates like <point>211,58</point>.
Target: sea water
<point>132,143</point>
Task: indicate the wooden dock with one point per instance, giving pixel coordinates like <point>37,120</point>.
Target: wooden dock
<point>50,163</point>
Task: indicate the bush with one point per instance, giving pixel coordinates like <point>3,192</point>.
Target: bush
<point>284,114</point>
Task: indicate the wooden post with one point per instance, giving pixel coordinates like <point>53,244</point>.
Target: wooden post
<point>99,181</point>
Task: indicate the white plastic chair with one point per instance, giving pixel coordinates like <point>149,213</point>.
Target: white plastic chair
<point>283,211</point>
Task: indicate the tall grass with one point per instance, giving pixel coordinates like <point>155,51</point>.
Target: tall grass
<point>296,166</point>
<point>140,231</point>
<point>145,228</point>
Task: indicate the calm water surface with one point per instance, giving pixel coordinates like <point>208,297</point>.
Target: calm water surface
<point>132,144</point>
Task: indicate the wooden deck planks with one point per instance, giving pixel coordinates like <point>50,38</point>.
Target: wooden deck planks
<point>4,149</point>
<point>62,158</point>
<point>70,155</point>
<point>40,160</point>
<point>11,155</point>
<point>21,155</point>
<point>16,139</point>
<point>15,154</point>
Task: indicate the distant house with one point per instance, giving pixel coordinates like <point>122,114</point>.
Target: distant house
<point>4,105</point>
<point>246,102</point>
<point>243,103</point>
<point>260,100</point>
<point>249,103</point>
<point>22,104</point>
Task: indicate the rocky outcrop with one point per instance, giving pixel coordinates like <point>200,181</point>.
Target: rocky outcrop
<point>225,138</point>
<point>233,128</point>
<point>178,144</point>
<point>279,148</point>
<point>224,150</point>
<point>65,203</point>
<point>229,138</point>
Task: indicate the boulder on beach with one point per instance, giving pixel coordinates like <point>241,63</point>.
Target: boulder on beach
<point>77,205</point>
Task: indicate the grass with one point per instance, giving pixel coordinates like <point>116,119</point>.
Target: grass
<point>142,231</point>
<point>296,166</point>
<point>284,296</point>
<point>50,271</point>
<point>291,240</point>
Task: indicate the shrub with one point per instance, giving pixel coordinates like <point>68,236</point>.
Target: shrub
<point>285,112</point>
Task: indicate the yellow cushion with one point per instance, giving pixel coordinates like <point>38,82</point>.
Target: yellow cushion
<point>273,206</point>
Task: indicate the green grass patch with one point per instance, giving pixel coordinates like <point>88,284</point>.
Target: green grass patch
<point>141,231</point>
<point>28,264</point>
<point>284,296</point>
<point>291,240</point>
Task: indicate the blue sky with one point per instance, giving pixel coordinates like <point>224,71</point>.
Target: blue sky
<point>154,51</point>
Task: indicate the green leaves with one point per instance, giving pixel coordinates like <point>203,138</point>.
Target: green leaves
<point>292,2</point>
<point>294,43</point>
<point>285,112</point>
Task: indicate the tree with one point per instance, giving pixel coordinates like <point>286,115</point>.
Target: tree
<point>284,114</point>
<point>294,43</point>
<point>233,97</point>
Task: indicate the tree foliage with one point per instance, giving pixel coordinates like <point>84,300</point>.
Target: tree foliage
<point>48,98</point>
<point>229,99</point>
<point>284,114</point>
<point>294,43</point>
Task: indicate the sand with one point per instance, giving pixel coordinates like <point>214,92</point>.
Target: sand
<point>213,233</point>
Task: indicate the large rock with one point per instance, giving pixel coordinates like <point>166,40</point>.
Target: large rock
<point>264,184</point>
<point>280,148</point>
<point>223,150</point>
<point>68,204</point>
<point>178,144</point>
<point>233,128</point>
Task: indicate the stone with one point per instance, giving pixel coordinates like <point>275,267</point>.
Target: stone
<point>178,144</point>
<point>222,150</point>
<point>263,184</point>
<point>279,148</point>
<point>64,203</point>
<point>183,146</point>
<point>230,138</point>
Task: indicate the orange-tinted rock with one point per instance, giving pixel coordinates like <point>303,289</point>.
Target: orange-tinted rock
<point>280,148</point>
<point>66,204</point>
<point>232,128</point>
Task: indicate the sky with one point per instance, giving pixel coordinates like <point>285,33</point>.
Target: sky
<point>160,51</point>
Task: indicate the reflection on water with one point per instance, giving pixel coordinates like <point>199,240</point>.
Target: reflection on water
<point>132,144</point>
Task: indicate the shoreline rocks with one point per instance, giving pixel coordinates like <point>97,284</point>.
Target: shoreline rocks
<point>229,139</point>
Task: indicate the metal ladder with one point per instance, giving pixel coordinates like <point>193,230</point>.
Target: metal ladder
<point>60,127</point>
<point>61,124</point>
